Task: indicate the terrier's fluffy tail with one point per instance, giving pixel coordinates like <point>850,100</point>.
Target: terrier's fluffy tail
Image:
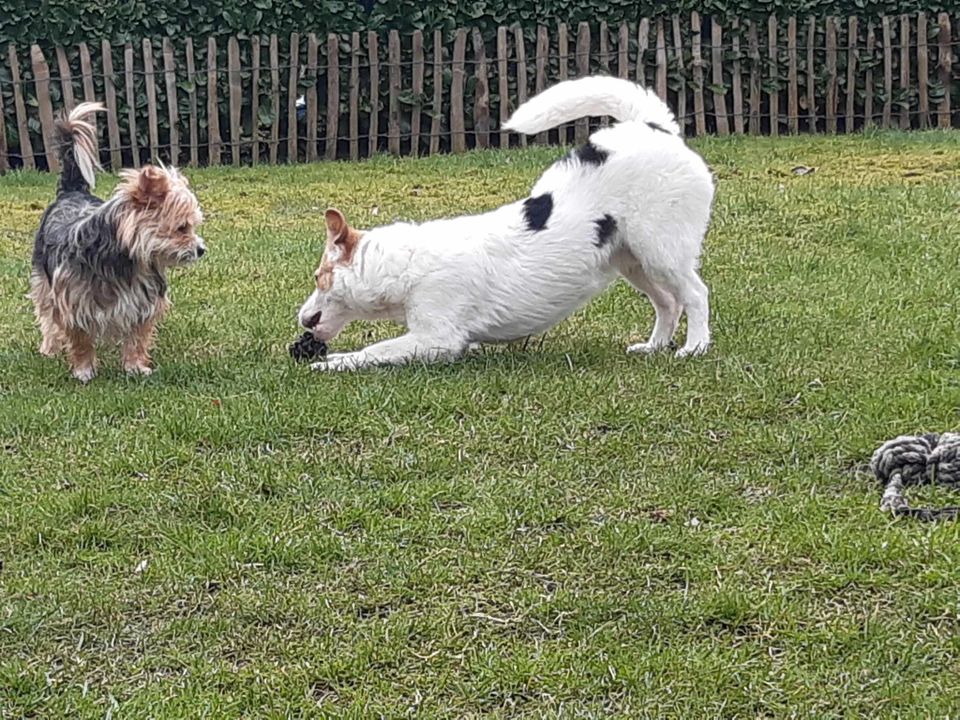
<point>77,142</point>
<point>592,96</point>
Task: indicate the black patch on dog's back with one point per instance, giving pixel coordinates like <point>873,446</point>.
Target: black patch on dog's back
<point>590,154</point>
<point>606,227</point>
<point>536,211</point>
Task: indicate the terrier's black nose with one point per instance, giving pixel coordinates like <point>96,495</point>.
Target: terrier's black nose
<point>311,322</point>
<point>200,251</point>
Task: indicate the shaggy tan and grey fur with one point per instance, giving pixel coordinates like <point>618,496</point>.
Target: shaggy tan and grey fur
<point>99,268</point>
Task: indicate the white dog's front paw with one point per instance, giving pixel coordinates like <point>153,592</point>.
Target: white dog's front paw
<point>339,363</point>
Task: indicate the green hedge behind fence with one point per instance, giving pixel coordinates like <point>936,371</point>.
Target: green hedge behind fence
<point>887,72</point>
<point>68,22</point>
<point>898,61</point>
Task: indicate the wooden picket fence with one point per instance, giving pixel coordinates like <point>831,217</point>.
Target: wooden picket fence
<point>304,98</point>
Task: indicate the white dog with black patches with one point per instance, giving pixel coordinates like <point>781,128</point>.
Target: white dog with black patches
<point>634,201</point>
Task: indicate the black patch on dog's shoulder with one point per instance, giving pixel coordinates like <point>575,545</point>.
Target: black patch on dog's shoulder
<point>658,128</point>
<point>606,227</point>
<point>536,211</point>
<point>590,154</point>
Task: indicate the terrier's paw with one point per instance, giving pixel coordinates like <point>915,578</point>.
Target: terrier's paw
<point>50,349</point>
<point>138,369</point>
<point>85,374</point>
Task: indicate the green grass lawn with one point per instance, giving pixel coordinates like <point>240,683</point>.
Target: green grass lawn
<point>550,530</point>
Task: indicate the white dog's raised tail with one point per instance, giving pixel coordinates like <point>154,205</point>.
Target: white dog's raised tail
<point>623,100</point>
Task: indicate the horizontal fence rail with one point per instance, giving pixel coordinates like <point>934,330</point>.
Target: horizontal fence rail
<point>307,97</point>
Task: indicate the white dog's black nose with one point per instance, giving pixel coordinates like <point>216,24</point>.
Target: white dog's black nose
<point>311,322</point>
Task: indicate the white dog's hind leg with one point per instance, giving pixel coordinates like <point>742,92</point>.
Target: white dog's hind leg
<point>396,351</point>
<point>664,303</point>
<point>695,298</point>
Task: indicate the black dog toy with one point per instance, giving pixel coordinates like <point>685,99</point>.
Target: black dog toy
<point>307,347</point>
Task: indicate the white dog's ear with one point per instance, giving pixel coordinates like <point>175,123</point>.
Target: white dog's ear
<point>336,225</point>
<point>341,234</point>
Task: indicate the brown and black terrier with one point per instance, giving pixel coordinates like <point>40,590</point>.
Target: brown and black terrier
<point>99,268</point>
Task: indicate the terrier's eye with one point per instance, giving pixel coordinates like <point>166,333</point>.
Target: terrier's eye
<point>185,228</point>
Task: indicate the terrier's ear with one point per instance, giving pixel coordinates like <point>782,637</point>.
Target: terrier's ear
<point>146,187</point>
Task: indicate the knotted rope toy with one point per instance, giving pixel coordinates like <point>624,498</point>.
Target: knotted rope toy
<point>307,347</point>
<point>929,459</point>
